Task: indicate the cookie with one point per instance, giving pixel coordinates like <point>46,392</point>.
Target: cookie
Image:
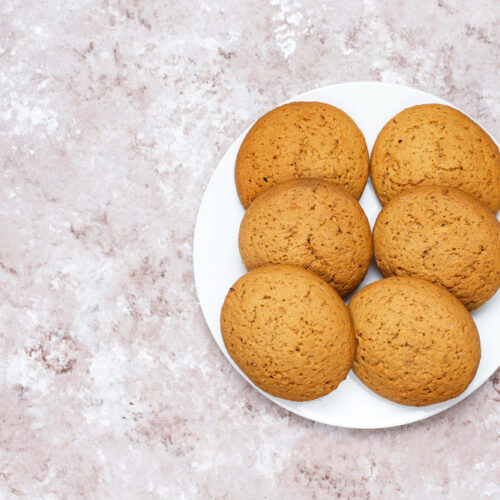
<point>288,331</point>
<point>436,144</point>
<point>311,223</point>
<point>301,139</point>
<point>444,235</point>
<point>416,344</point>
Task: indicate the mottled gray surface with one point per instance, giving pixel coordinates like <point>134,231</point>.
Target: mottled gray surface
<point>113,116</point>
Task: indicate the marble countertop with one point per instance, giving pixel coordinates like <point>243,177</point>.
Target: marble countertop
<point>113,116</point>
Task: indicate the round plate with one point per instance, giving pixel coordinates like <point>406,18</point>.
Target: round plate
<point>217,264</point>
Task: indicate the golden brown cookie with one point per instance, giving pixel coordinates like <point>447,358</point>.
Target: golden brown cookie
<point>301,139</point>
<point>435,144</point>
<point>416,344</point>
<point>444,235</point>
<point>288,331</point>
<point>311,223</point>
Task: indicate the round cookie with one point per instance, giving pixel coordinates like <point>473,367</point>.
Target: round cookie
<point>311,223</point>
<point>416,344</point>
<point>288,331</point>
<point>301,139</point>
<point>443,235</point>
<point>435,144</point>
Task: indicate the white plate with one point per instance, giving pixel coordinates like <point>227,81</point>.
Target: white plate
<point>217,263</point>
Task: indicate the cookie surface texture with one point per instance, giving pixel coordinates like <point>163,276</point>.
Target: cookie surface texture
<point>288,331</point>
<point>416,343</point>
<point>434,144</point>
<point>302,139</point>
<point>311,223</point>
<point>443,235</point>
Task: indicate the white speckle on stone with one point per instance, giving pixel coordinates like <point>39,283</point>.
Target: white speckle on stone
<point>290,18</point>
<point>28,118</point>
<point>294,18</point>
<point>288,46</point>
<point>390,76</point>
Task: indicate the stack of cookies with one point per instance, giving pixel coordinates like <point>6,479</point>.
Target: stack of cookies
<point>307,245</point>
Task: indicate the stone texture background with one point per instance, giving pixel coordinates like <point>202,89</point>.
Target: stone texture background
<point>113,116</point>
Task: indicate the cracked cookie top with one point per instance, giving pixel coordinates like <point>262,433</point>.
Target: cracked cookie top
<point>435,144</point>
<point>444,235</point>
<point>311,223</point>
<point>297,140</point>
<point>288,331</point>
<point>416,344</point>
